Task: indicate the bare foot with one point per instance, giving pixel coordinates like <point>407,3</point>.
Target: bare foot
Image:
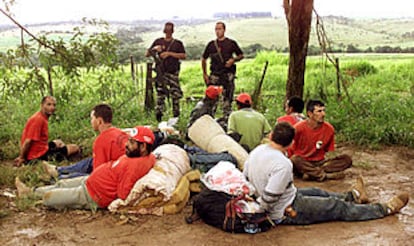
<point>50,169</point>
<point>22,189</point>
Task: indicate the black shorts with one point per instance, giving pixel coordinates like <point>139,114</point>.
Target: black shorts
<point>53,154</point>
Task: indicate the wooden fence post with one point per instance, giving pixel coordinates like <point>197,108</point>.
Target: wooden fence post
<point>131,58</point>
<point>258,88</point>
<point>338,78</point>
<point>149,98</point>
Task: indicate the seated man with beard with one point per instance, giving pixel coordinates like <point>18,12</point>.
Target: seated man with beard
<point>108,182</point>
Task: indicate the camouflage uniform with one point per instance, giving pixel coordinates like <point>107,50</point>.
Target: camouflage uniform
<point>169,86</point>
<point>227,81</point>
<point>220,51</point>
<point>167,81</point>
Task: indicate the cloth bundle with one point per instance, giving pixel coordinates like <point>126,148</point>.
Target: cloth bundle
<point>163,190</point>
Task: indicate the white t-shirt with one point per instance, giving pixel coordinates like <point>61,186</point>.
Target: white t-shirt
<point>270,172</point>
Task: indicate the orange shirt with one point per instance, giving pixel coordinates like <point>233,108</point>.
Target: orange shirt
<point>312,144</point>
<point>115,179</point>
<point>109,146</point>
<point>36,129</point>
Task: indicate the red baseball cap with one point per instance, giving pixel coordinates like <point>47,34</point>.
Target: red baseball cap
<point>213,91</point>
<point>142,134</point>
<point>244,98</point>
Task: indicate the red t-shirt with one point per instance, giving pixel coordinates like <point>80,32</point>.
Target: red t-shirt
<point>312,144</point>
<point>36,129</point>
<point>287,118</point>
<point>109,146</point>
<point>115,179</point>
<point>292,118</point>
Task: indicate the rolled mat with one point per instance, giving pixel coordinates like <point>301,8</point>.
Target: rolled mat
<point>207,134</point>
<point>203,130</point>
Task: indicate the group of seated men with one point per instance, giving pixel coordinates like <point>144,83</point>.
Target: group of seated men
<point>295,146</point>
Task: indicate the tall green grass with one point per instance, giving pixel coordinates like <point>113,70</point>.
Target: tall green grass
<point>377,111</point>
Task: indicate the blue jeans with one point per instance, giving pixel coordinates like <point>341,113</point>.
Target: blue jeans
<point>81,168</point>
<point>314,205</point>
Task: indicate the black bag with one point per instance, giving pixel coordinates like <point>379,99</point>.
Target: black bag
<point>205,161</point>
<point>217,209</point>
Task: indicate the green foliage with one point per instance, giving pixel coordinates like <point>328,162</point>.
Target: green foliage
<point>7,175</point>
<point>379,112</point>
<point>376,112</point>
<point>360,68</point>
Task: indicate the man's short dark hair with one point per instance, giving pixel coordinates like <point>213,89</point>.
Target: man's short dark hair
<point>221,23</point>
<point>296,103</point>
<point>169,24</point>
<point>243,105</point>
<point>283,134</point>
<point>104,111</point>
<point>47,97</point>
<point>310,106</point>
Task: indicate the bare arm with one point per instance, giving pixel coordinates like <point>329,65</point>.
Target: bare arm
<point>233,60</point>
<point>156,48</point>
<point>204,68</point>
<point>180,56</point>
<point>24,150</point>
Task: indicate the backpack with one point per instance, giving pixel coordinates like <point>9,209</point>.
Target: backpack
<point>205,161</point>
<point>217,209</point>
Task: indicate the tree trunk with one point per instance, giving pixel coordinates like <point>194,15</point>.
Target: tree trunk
<point>299,18</point>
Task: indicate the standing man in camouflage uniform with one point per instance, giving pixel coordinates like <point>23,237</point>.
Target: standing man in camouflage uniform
<point>167,53</point>
<point>222,65</point>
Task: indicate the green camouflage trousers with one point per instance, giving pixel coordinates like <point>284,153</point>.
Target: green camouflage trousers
<point>227,81</point>
<point>169,86</point>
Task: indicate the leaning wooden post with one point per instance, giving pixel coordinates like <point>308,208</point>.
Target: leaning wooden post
<point>149,98</point>
<point>258,89</point>
<point>338,78</point>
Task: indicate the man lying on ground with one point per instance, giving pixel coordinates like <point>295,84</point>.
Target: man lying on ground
<point>270,172</point>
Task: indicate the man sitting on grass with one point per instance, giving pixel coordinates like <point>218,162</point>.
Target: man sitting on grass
<point>109,145</point>
<point>315,137</point>
<point>34,143</point>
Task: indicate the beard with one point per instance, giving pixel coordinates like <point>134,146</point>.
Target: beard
<point>133,153</point>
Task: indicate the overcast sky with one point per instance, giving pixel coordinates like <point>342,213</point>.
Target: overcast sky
<point>37,11</point>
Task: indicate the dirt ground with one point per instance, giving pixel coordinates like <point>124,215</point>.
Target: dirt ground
<point>386,173</point>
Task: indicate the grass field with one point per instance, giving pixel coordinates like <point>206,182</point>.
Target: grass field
<point>272,32</point>
<point>269,32</point>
